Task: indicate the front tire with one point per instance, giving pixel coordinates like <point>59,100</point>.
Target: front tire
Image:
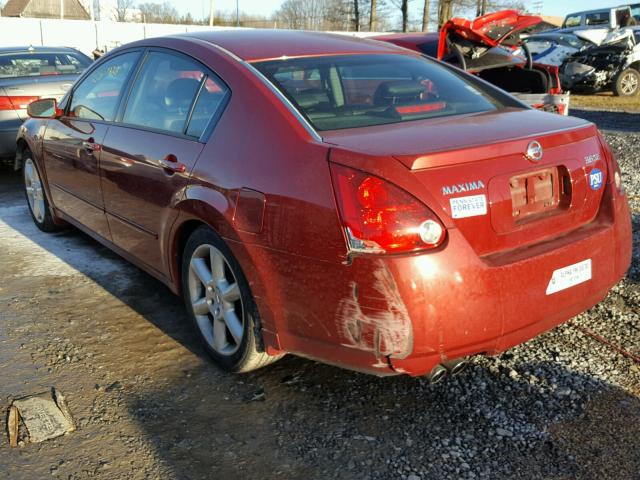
<point>220,304</point>
<point>627,83</point>
<point>36,197</point>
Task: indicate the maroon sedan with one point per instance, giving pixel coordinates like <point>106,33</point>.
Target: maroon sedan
<point>337,198</point>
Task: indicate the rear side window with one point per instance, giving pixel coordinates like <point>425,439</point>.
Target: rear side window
<point>597,18</point>
<point>174,94</point>
<point>36,64</point>
<point>351,91</point>
<point>98,95</point>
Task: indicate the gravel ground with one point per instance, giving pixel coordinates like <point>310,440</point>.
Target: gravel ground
<point>150,405</point>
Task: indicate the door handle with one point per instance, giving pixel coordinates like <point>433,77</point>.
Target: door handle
<point>91,146</point>
<point>171,165</point>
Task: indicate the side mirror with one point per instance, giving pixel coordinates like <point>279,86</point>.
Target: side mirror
<point>44,108</point>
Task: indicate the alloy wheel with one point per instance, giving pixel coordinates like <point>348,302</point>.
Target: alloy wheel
<point>216,300</point>
<point>33,186</point>
<point>629,84</point>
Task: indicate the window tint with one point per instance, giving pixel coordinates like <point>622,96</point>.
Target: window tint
<point>361,90</point>
<point>97,96</point>
<point>164,93</point>
<point>34,64</point>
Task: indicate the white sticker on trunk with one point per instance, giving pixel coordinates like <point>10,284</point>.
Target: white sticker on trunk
<point>570,276</point>
<point>471,206</point>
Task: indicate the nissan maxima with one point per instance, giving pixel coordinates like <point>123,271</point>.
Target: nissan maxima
<point>341,199</point>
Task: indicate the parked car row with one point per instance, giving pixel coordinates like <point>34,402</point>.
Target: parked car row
<point>27,74</point>
<point>342,199</point>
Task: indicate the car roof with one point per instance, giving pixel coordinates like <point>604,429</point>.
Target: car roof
<point>586,12</point>
<point>31,48</point>
<point>262,44</point>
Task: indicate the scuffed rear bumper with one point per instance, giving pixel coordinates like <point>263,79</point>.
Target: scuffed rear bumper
<point>405,314</point>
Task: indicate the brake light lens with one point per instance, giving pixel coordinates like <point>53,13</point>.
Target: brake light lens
<point>379,217</point>
<point>16,103</point>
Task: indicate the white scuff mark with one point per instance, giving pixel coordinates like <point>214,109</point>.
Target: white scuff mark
<point>383,332</point>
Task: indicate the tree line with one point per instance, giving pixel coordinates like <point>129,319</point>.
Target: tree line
<point>336,15</point>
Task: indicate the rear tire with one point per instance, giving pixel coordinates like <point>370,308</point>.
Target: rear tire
<point>627,83</point>
<point>220,304</point>
<point>36,196</point>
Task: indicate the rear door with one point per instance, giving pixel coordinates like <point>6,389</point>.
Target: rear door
<point>149,153</point>
<point>72,144</point>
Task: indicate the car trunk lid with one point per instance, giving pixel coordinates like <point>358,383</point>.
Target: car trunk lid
<point>18,92</point>
<point>474,173</point>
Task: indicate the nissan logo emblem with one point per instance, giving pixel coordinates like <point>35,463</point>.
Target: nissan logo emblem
<point>534,151</point>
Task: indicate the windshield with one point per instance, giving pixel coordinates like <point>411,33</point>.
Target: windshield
<point>352,91</point>
<point>35,64</point>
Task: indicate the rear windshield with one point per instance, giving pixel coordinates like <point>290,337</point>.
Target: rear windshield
<point>35,64</point>
<point>352,91</point>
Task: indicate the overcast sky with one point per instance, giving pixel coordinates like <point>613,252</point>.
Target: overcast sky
<point>200,8</point>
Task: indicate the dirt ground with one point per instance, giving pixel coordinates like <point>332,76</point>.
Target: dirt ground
<point>150,405</point>
<point>606,101</point>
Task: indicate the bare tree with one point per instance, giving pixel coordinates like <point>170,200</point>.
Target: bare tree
<point>445,11</point>
<point>403,5</point>
<point>122,9</point>
<point>159,13</point>
<point>372,15</point>
<point>426,13</point>
<point>356,14</point>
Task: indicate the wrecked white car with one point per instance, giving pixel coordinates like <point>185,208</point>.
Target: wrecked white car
<point>592,60</point>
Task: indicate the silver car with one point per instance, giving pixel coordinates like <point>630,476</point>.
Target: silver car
<point>27,74</point>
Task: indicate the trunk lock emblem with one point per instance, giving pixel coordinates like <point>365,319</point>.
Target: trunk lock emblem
<point>534,151</point>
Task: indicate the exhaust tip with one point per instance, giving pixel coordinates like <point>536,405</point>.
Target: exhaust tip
<point>437,374</point>
<point>456,366</point>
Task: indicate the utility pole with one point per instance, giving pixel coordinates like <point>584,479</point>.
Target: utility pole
<point>61,9</point>
<point>237,13</point>
<point>211,13</point>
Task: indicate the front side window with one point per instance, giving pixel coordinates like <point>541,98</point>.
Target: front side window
<point>98,95</point>
<point>174,94</point>
<point>351,91</point>
<point>572,21</point>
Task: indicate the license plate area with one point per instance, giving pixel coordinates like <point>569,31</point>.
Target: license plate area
<point>539,193</point>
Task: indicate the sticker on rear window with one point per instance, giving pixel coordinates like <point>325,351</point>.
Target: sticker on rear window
<point>595,179</point>
<point>570,276</point>
<point>471,206</point>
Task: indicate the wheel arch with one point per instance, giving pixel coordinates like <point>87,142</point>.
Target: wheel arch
<point>635,65</point>
<point>196,213</point>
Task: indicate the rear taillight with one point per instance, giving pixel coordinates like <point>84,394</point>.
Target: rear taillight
<point>16,103</point>
<point>379,217</point>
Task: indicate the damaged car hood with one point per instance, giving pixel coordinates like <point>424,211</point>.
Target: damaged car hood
<point>491,30</point>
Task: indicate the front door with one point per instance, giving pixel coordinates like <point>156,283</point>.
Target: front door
<point>72,144</point>
<point>147,157</point>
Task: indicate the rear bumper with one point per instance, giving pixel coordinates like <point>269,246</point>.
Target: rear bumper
<point>554,103</point>
<point>510,293</point>
<point>8,133</point>
<point>405,314</point>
